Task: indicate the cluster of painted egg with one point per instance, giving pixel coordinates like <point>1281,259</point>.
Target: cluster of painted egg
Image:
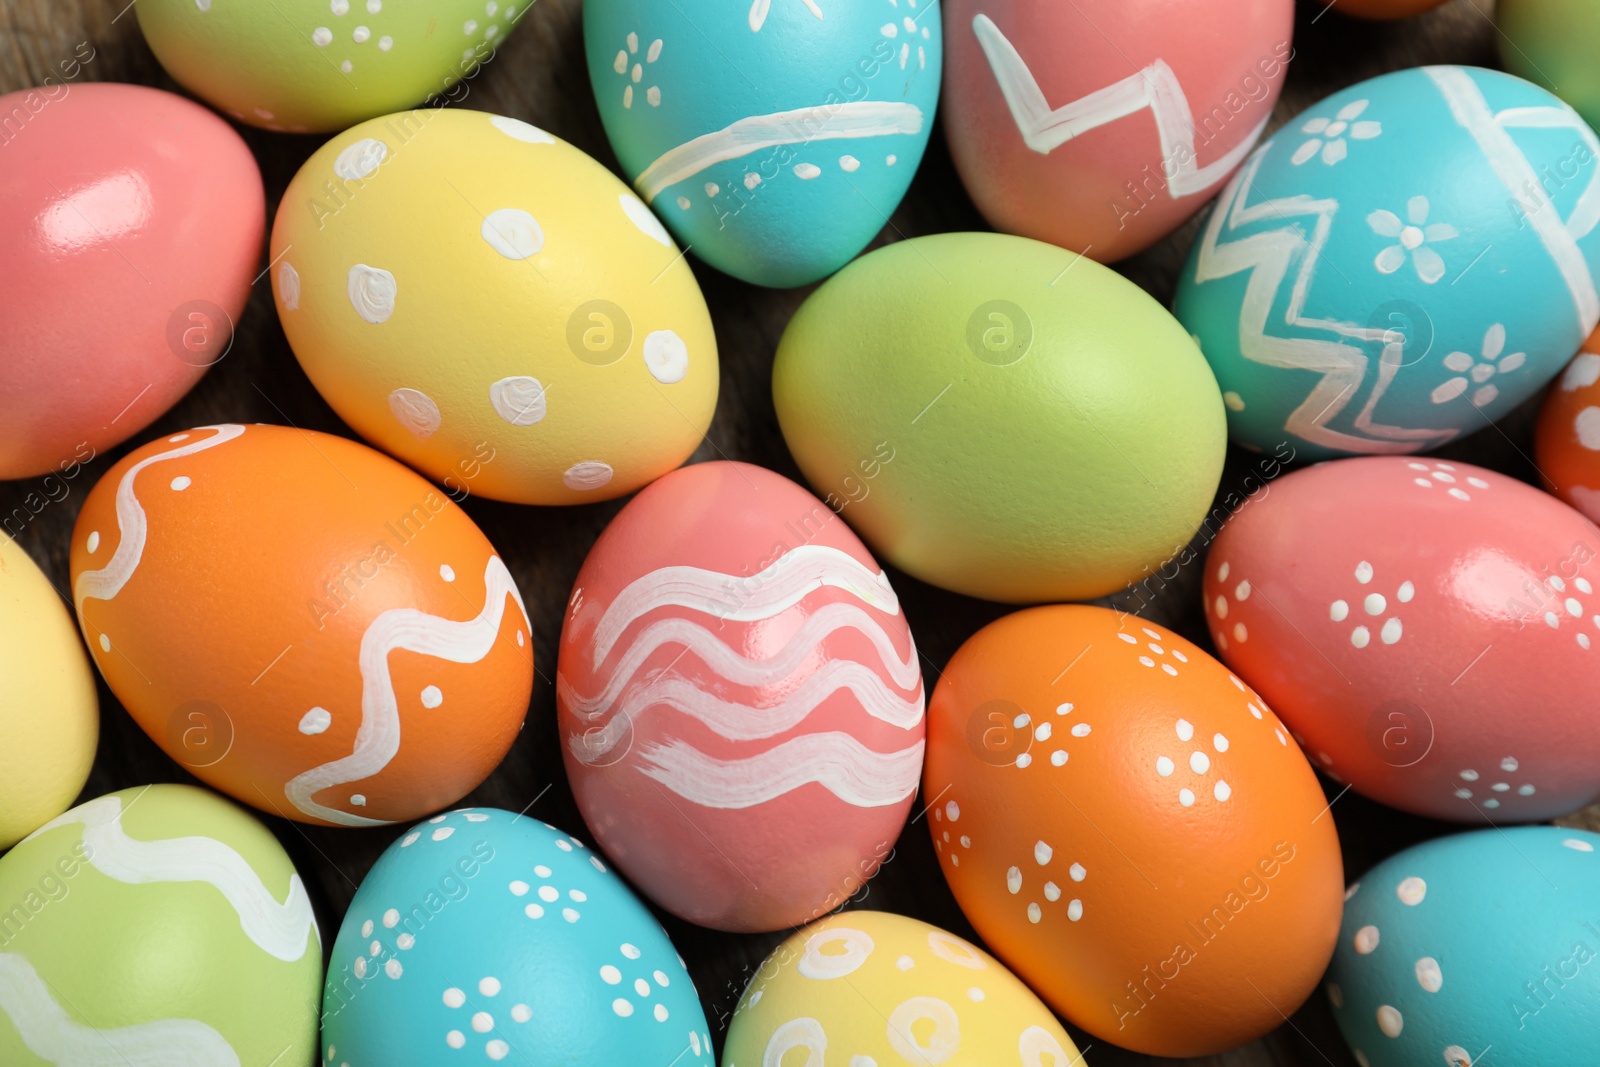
<point>1389,608</point>
<point>870,987</point>
<point>490,934</point>
<point>124,267</point>
<point>1552,43</point>
<point>1101,127</point>
<point>156,925</point>
<point>321,65</point>
<point>740,700</point>
<point>1566,443</point>
<point>1000,417</point>
<point>530,334</point>
<point>245,592</point>
<point>1388,273</point>
<point>775,138</point>
<point>1131,830</point>
<point>1472,949</point>
<point>50,720</point>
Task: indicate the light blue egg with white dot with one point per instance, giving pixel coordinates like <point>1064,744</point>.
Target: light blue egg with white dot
<point>774,137</point>
<point>1400,265</point>
<point>1479,948</point>
<point>483,936</point>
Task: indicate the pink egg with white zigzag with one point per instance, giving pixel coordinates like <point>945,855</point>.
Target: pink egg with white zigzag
<point>1429,630</point>
<point>740,700</point>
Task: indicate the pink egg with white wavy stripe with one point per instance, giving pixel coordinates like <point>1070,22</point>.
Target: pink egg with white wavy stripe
<point>1429,630</point>
<point>740,700</point>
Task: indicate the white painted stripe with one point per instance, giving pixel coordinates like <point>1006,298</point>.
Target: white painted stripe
<point>838,762</point>
<point>55,1037</point>
<point>280,930</point>
<point>828,122</point>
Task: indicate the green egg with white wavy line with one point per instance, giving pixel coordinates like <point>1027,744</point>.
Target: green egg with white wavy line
<point>156,925</point>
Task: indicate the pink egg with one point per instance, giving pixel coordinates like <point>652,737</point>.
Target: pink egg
<point>1430,631</point>
<point>1101,125</point>
<point>740,700</point>
<point>131,223</point>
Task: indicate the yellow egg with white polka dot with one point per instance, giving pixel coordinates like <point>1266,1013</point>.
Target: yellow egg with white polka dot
<point>492,306</point>
<point>868,987</point>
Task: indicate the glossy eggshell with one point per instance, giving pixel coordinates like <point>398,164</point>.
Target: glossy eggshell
<point>775,139</point>
<point>130,229</point>
<point>1165,100</point>
<point>322,65</point>
<point>1472,949</point>
<point>1001,418</point>
<point>1388,274</point>
<point>302,622</point>
<point>741,703</point>
<point>1566,442</point>
<point>50,719</point>
<point>530,333</point>
<point>1552,43</point>
<point>1391,610</point>
<point>156,925</point>
<point>1131,830</point>
<point>483,935</point>
<point>870,987</point>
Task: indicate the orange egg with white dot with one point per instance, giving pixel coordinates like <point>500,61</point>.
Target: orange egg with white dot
<point>302,622</point>
<point>1566,442</point>
<point>1130,828</point>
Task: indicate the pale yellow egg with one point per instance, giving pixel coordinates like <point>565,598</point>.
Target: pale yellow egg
<point>49,715</point>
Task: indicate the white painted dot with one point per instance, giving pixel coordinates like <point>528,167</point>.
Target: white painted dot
<point>660,1011</point>
<point>1411,891</point>
<point>1220,606</point>
<point>1407,591</point>
<point>684,203</point>
<point>1219,742</point>
<point>1014,880</point>
<point>1058,758</point>
<point>1456,1056</point>
<point>1081,729</point>
<point>807,171</point>
<point>1186,797</point>
<point>849,164</point>
<point>513,233</point>
<point>1199,762</point>
<point>1391,632</point>
<point>641,987</point>
<point>1501,787</point>
<point>366,928</point>
<point>1366,940</point>
<point>489,987</point>
<point>1222,790</point>
<point>1074,910</point>
<point>1429,976</point>
<point>1469,776</point>
<point>751,180</point>
<point>1491,803</point>
<point>372,292</point>
<point>1222,571</point>
<point>1242,590</point>
<point>1077,872</point>
<point>361,35</point>
<point>1509,764</point>
<point>1525,790</point>
<point>622,1006</point>
<point>391,919</point>
<point>322,37</point>
<point>610,975</point>
<point>1335,995</point>
<point>1577,844</point>
<point>1052,892</point>
<point>406,942</point>
<point>1361,637</point>
<point>347,66</point>
<point>360,967</point>
<point>1339,611</point>
<point>497,1049</point>
<point>1459,494</point>
<point>443,832</point>
<point>470,27</point>
<point>630,952</point>
<point>1034,914</point>
<point>455,1039</point>
<point>587,476</point>
<point>1185,729</point>
<point>891,160</point>
<point>1363,572</point>
<point>1165,766</point>
<point>1240,634</point>
<point>549,894</point>
<point>410,839</point>
<point>1042,853</point>
<point>521,1013</point>
<point>1024,761</point>
<point>393,969</point>
<point>953,810</point>
<point>1389,1021</point>
<point>432,697</point>
<point>666,356</point>
<point>644,219</point>
<point>570,914</point>
<point>482,1022</point>
<point>1147,661</point>
<point>1375,604</point>
<point>315,721</point>
<point>533,911</point>
<point>358,799</point>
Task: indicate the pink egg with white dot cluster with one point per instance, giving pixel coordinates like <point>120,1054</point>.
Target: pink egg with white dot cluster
<point>1429,630</point>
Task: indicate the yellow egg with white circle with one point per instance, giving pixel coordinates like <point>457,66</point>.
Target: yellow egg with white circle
<point>49,716</point>
<point>492,306</point>
<point>870,988</point>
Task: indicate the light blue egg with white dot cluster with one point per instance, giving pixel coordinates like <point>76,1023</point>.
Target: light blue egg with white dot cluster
<point>1400,265</point>
<point>1480,948</point>
<point>774,137</point>
<point>484,936</point>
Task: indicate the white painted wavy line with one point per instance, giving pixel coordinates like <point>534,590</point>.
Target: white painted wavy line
<point>107,582</point>
<point>790,579</point>
<point>410,630</point>
<point>55,1037</point>
<point>277,929</point>
<point>739,721</point>
<point>836,761</point>
<point>738,669</point>
<point>827,122</point>
<point>1155,88</point>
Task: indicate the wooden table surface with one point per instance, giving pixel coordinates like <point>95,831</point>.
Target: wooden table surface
<point>539,76</point>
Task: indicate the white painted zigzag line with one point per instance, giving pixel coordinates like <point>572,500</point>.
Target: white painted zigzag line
<point>50,1033</point>
<point>280,930</point>
<point>736,668</point>
<point>107,582</point>
<point>793,577</point>
<point>1155,88</point>
<point>838,762</point>
<point>737,721</point>
<point>408,629</point>
<point>826,122</point>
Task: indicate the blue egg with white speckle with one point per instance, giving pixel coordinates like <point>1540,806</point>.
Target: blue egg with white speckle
<point>1400,265</point>
<point>773,137</point>
<point>483,936</point>
<point>1480,948</point>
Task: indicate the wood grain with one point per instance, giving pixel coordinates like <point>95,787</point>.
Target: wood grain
<point>540,76</point>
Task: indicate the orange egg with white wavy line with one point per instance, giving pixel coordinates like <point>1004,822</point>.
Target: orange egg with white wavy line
<point>302,622</point>
<point>1131,830</point>
<point>740,700</point>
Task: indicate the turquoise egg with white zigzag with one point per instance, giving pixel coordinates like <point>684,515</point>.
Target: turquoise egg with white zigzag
<point>773,137</point>
<point>482,935</point>
<point>1480,948</point>
<point>1400,265</point>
